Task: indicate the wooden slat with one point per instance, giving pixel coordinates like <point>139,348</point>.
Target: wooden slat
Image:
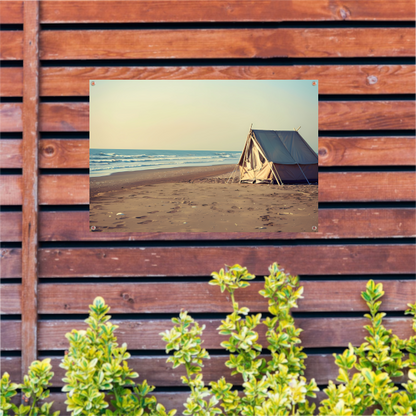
<point>11,295</point>
<point>367,186</point>
<point>201,261</point>
<point>11,189</point>
<point>30,180</point>
<point>11,80</point>
<point>350,115</point>
<point>64,153</point>
<point>224,11</point>
<point>333,115</point>
<point>157,372</point>
<point>11,45</point>
<point>333,151</point>
<point>201,297</point>
<point>339,79</point>
<point>367,151</point>
<point>12,365</point>
<point>11,153</point>
<point>11,12</point>
<point>56,189</point>
<point>333,223</point>
<point>144,334</point>
<point>226,43</point>
<point>333,187</point>
<point>11,117</point>
<point>11,226</point>
<point>11,262</point>
<point>11,336</point>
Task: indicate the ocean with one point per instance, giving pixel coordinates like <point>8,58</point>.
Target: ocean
<point>104,162</point>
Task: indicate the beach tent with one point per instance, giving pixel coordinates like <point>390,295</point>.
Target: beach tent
<point>277,156</point>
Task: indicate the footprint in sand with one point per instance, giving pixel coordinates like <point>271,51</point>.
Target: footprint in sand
<point>234,207</point>
<point>250,209</point>
<point>173,212</point>
<point>145,222</point>
<point>143,216</point>
<point>214,203</point>
<point>204,205</point>
<point>153,212</point>
<point>230,211</point>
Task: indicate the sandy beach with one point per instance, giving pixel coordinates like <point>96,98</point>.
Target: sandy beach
<point>198,199</point>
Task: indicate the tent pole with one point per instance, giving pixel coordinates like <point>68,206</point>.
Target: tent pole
<point>303,173</point>
<point>273,169</point>
<point>232,173</point>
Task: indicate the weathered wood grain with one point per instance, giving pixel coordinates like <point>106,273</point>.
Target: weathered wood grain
<point>144,334</point>
<point>148,11</point>
<point>11,153</point>
<point>63,189</point>
<point>333,151</point>
<point>11,336</point>
<point>201,261</point>
<point>200,297</point>
<point>11,262</point>
<point>367,151</point>
<point>55,153</point>
<point>11,299</point>
<point>11,48</point>
<point>11,80</point>
<point>333,223</point>
<point>226,43</point>
<point>367,186</point>
<point>30,183</point>
<point>333,79</point>
<point>350,115</point>
<point>333,115</point>
<point>11,226</point>
<point>11,189</point>
<point>11,117</point>
<point>11,12</point>
<point>333,187</point>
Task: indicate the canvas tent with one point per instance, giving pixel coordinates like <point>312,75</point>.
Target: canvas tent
<point>277,156</point>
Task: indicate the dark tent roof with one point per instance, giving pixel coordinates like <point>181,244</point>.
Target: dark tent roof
<point>285,147</point>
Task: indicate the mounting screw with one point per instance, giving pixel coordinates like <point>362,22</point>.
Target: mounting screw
<point>314,227</point>
<point>92,83</point>
<point>314,83</point>
<point>93,227</point>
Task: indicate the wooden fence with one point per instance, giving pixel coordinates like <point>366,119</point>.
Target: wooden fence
<point>362,53</point>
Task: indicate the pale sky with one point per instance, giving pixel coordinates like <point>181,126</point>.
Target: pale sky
<point>198,115</point>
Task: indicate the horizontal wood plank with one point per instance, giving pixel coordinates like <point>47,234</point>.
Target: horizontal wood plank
<point>201,261</point>
<point>367,151</point>
<point>157,372</point>
<point>11,153</point>
<point>144,334</point>
<point>55,153</point>
<point>226,43</point>
<point>11,48</point>
<point>319,296</point>
<point>11,80</point>
<point>11,335</point>
<point>367,186</point>
<point>11,295</point>
<point>11,117</point>
<point>11,263</point>
<point>333,79</point>
<point>333,151</point>
<point>11,12</point>
<point>149,11</point>
<point>11,226</point>
<point>11,189</point>
<point>357,115</point>
<point>333,223</point>
<point>333,187</point>
<point>333,115</point>
<point>62,189</point>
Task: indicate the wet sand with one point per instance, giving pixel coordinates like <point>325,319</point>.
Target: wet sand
<point>198,199</point>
